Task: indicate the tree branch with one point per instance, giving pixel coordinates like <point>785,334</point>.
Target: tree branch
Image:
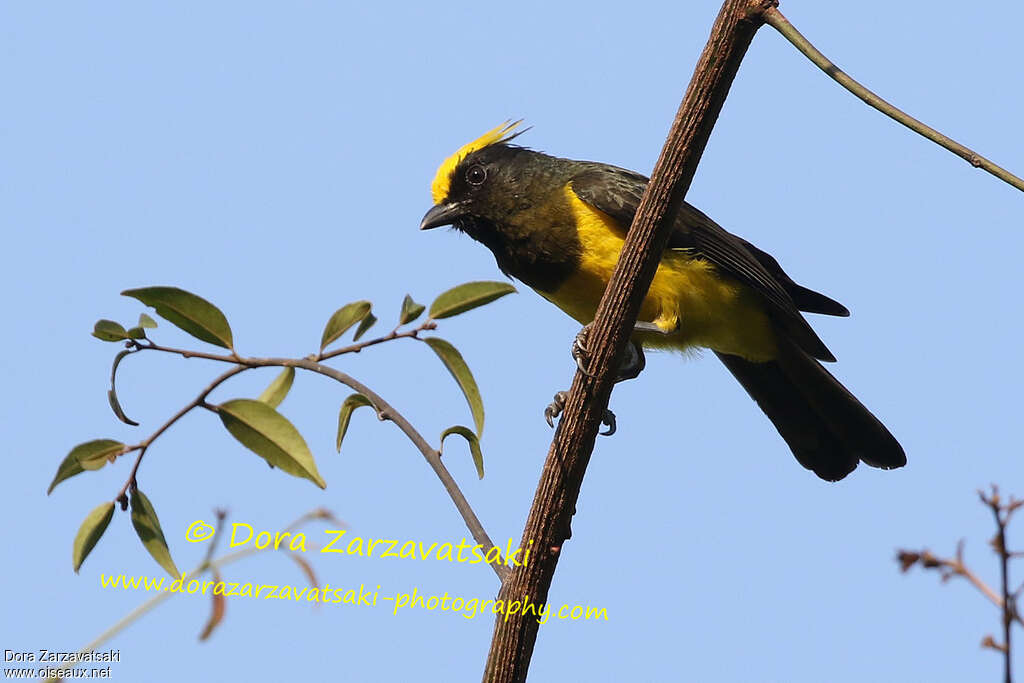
<point>143,446</point>
<point>428,324</point>
<point>1002,513</point>
<point>789,32</point>
<point>1007,599</point>
<point>385,411</point>
<point>548,525</point>
<point>948,568</point>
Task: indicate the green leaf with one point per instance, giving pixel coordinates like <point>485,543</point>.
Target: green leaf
<point>115,405</point>
<point>474,445</point>
<point>136,333</point>
<point>271,436</point>
<point>343,318</point>
<point>68,468</point>
<point>366,324</point>
<point>452,360</point>
<point>90,532</point>
<point>468,296</point>
<point>109,331</point>
<point>347,407</point>
<point>147,526</point>
<point>146,321</point>
<point>410,310</point>
<point>278,389</point>
<point>192,313</point>
<point>90,455</point>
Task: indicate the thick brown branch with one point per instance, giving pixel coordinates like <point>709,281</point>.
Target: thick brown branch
<point>548,525</point>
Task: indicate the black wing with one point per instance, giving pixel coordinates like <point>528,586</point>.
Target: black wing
<point>617,192</point>
<point>805,299</point>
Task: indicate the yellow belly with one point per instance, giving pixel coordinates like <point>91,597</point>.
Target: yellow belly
<point>695,304</point>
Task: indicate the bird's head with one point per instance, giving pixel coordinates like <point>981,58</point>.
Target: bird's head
<point>480,185</point>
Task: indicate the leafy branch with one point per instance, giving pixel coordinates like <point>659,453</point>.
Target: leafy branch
<point>256,423</point>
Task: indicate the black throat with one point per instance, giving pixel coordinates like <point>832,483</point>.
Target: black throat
<point>541,256</point>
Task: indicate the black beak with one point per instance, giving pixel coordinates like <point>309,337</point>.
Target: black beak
<point>442,214</point>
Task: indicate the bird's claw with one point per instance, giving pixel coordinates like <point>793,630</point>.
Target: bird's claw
<point>580,352</point>
<point>608,419</point>
<point>554,410</point>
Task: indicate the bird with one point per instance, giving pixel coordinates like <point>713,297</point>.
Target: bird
<point>558,225</point>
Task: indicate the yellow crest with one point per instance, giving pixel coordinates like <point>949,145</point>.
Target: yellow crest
<point>442,180</point>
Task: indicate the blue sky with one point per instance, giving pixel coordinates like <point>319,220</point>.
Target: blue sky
<point>276,159</point>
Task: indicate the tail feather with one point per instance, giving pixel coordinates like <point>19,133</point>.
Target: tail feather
<point>826,427</point>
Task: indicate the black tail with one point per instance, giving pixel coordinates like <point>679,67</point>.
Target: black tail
<point>827,428</point>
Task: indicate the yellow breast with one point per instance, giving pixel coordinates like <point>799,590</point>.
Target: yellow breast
<point>689,298</point>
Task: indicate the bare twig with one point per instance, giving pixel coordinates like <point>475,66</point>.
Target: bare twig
<point>554,503</point>
<point>1002,511</point>
<point>789,32</point>
<point>949,567</point>
<point>221,514</point>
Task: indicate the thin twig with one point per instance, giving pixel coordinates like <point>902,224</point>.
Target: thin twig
<point>212,547</point>
<point>1002,513</point>
<point>789,32</point>
<point>984,588</point>
<point>147,606</point>
<point>949,567</point>
<point>385,411</point>
<point>144,445</point>
<point>428,324</point>
<point>432,455</point>
<point>1007,599</point>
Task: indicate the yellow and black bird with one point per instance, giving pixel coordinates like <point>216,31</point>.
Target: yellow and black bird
<point>559,225</point>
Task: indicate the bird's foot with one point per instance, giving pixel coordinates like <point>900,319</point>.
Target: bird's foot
<point>633,363</point>
<point>554,410</point>
<point>580,350</point>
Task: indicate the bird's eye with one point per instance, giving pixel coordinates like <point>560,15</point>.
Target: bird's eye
<point>476,175</point>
